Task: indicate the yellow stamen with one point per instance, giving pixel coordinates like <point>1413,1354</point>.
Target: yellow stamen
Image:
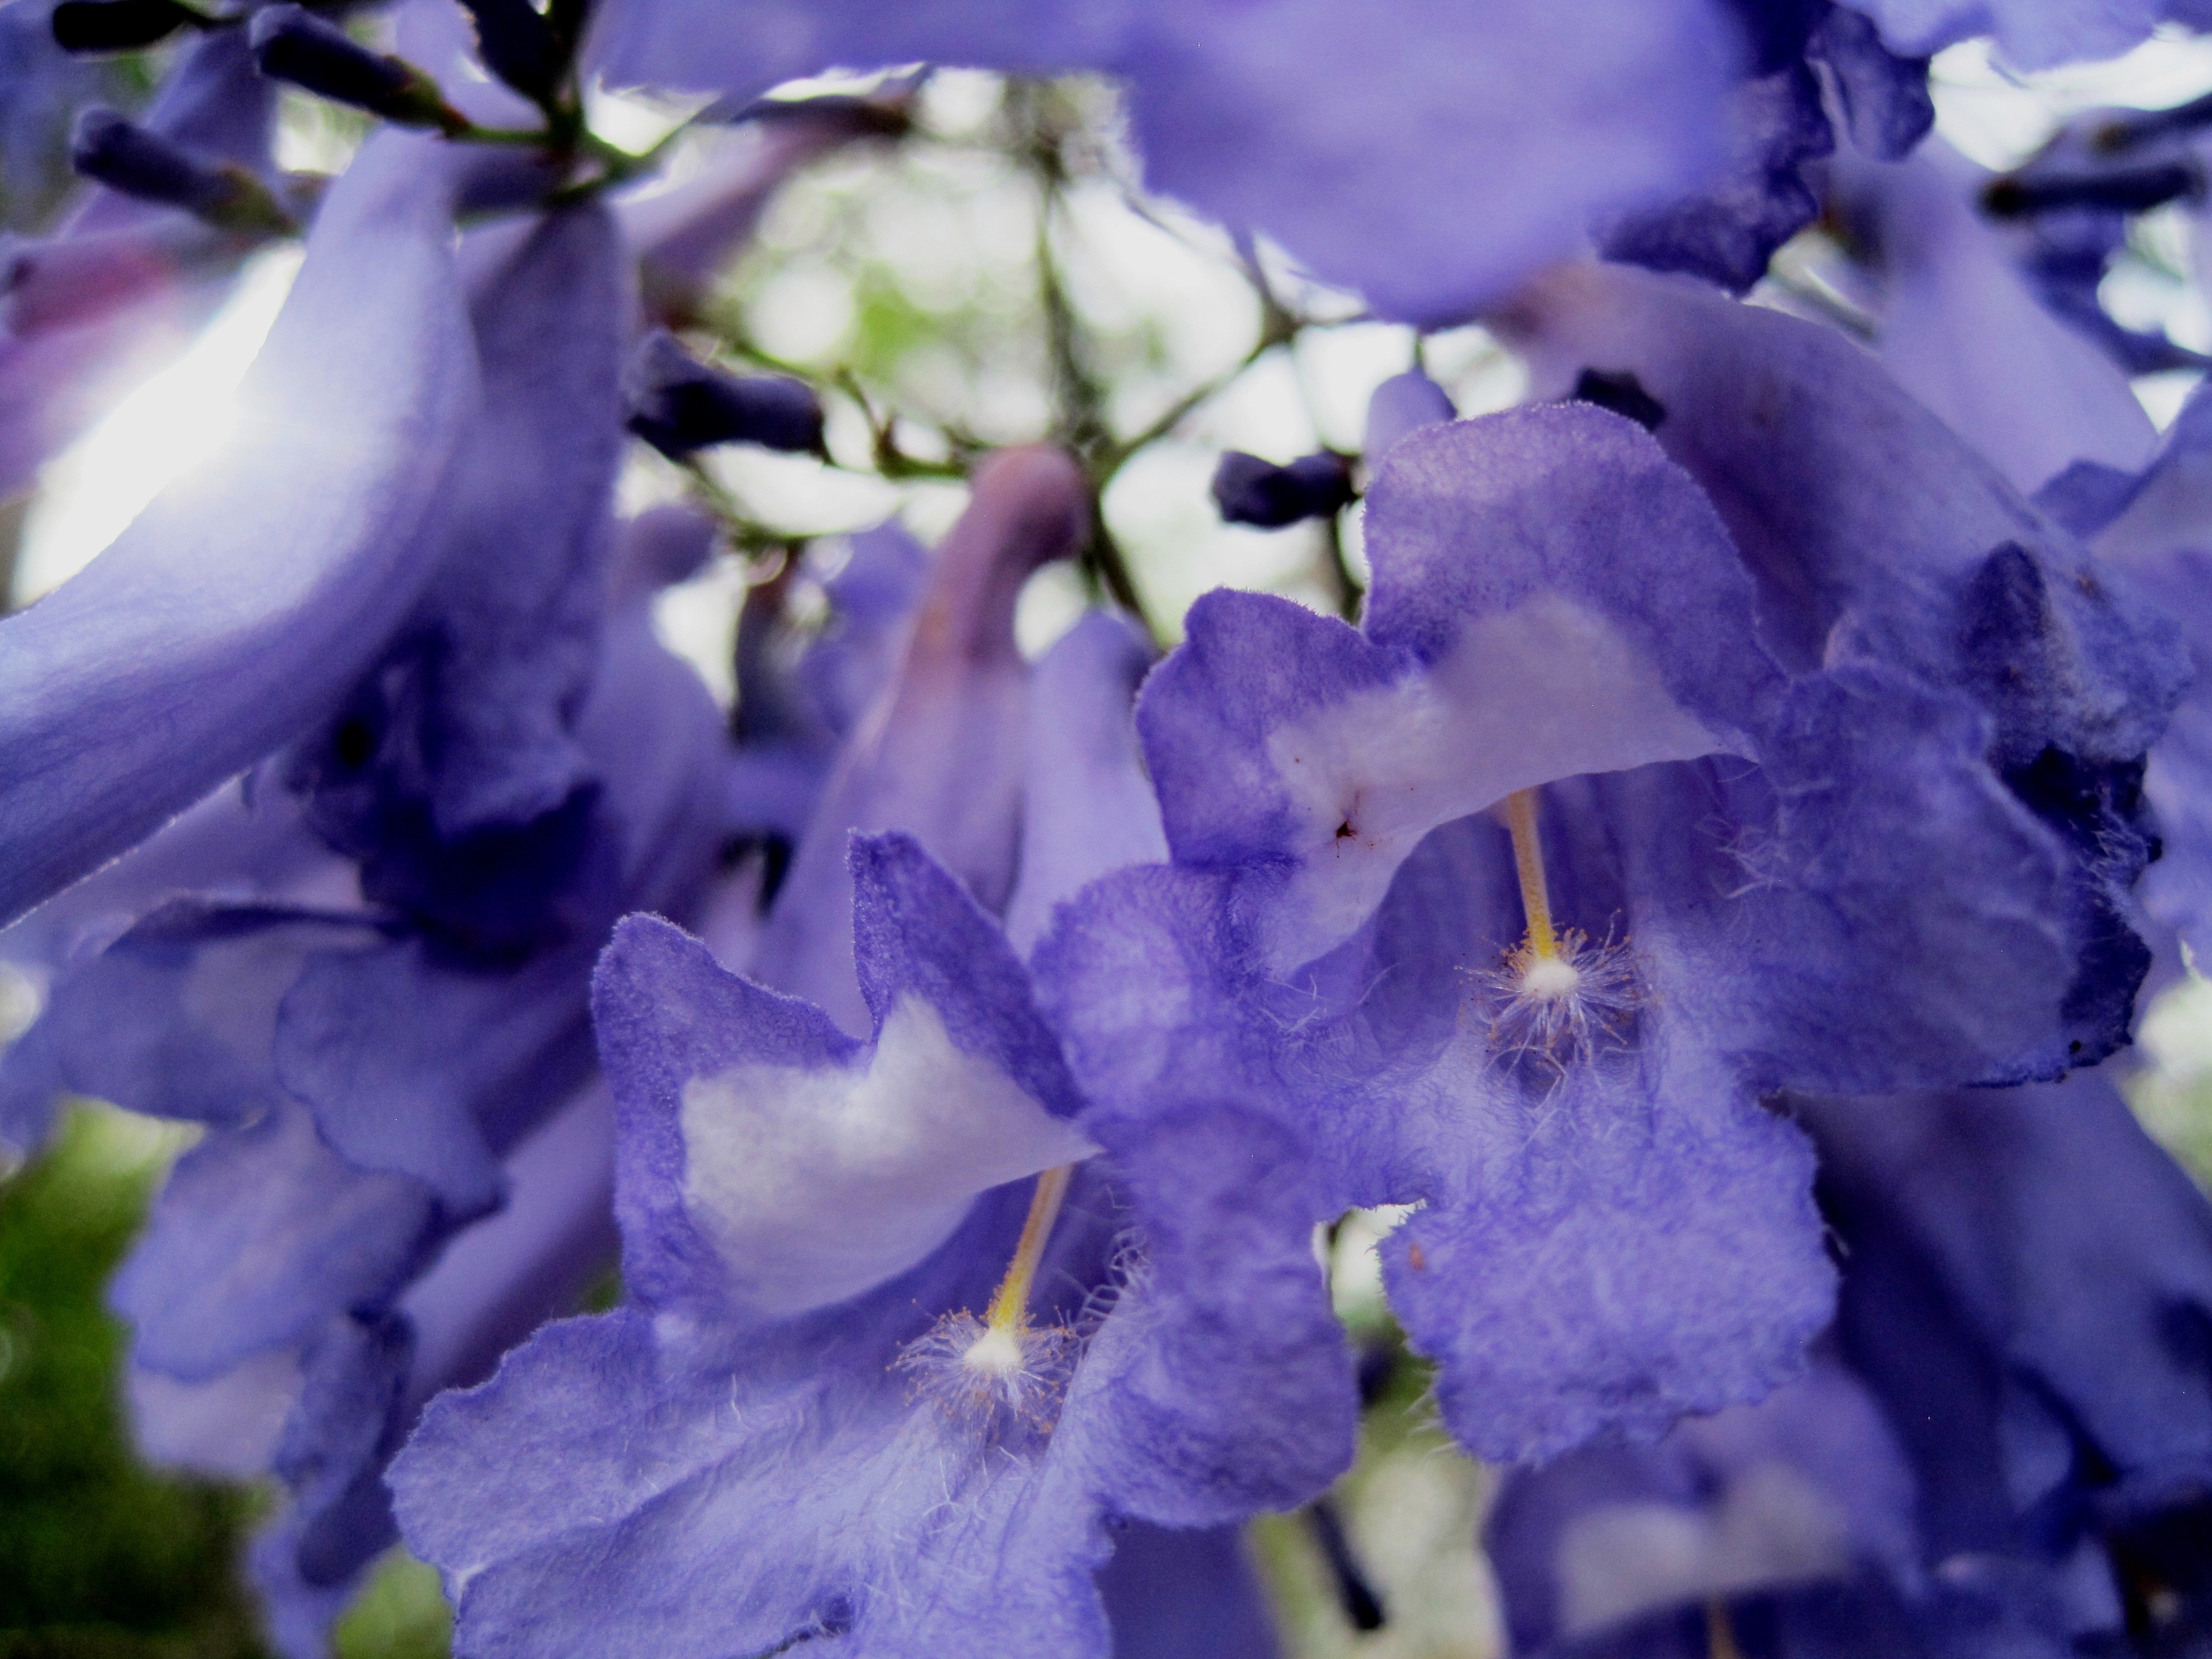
<point>1010,1307</point>
<point>1528,862</point>
<point>1720,1634</point>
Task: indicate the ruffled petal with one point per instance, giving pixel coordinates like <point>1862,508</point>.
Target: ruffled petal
<point>258,1236</point>
<point>742,1109</point>
<point>1651,1249</point>
<point>1318,756</point>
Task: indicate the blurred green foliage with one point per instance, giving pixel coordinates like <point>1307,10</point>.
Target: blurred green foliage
<point>401,1614</point>
<point>98,1557</point>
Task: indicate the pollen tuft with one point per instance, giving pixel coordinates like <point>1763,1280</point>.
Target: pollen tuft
<point>995,1378</point>
<point>1562,1005</point>
<point>1550,979</point>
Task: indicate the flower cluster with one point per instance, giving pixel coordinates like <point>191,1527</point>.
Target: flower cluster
<point>1705,882</point>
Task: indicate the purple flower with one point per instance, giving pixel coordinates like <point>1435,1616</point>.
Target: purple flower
<point>1791,1521</point>
<point>1727,230</point>
<point>1961,330</point>
<point>934,1476</point>
<point>1715,879</point>
<point>799,697</point>
<point>1873,532</point>
<point>2030,34</point>
<point>685,233</point>
<point>941,754</point>
<point>453,771</point>
<point>2008,1439</point>
<point>372,1096</point>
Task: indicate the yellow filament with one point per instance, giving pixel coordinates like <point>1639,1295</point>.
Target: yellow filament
<point>1010,1307</point>
<point>1720,1635</point>
<point>1529,861</point>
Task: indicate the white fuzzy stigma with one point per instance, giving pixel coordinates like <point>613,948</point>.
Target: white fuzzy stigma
<point>996,1353</point>
<point>1561,1006</point>
<point>996,1379</point>
<point>1549,979</point>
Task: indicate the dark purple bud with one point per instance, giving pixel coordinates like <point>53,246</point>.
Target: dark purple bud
<point>679,404</point>
<point>109,149</point>
<point>1621,392</point>
<point>1249,490</point>
<point>290,44</point>
<point>518,45</point>
<point>877,117</point>
<point>118,25</point>
<point>2124,190</point>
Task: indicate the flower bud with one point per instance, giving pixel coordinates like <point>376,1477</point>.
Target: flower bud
<point>118,25</point>
<point>291,45</point>
<point>679,406</point>
<point>111,150</point>
<point>1249,490</point>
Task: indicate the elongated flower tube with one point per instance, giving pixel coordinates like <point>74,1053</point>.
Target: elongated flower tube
<point>939,752</point>
<point>244,602</point>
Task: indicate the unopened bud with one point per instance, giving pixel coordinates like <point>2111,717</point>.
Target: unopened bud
<point>118,25</point>
<point>290,44</point>
<point>2122,190</point>
<point>679,404</point>
<point>1403,404</point>
<point>1249,490</point>
<point>110,150</point>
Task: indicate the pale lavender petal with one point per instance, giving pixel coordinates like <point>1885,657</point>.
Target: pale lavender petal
<point>1087,807</point>
<point>1961,330</point>
<point>244,602</point>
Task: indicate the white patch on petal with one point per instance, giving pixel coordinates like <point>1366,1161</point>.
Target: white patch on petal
<point>1549,690</point>
<point>1771,1527</point>
<point>227,1425</point>
<point>817,1185</point>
